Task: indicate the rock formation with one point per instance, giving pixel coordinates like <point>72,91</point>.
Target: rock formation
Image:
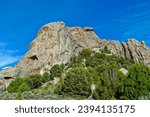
<point>132,49</point>
<point>56,44</point>
<point>9,72</point>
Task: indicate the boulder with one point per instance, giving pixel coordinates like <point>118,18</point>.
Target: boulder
<point>143,42</point>
<point>124,71</point>
<point>9,72</point>
<point>88,29</point>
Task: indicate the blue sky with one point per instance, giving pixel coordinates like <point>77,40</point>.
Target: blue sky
<point>20,21</point>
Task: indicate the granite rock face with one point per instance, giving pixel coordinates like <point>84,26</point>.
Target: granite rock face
<point>139,52</point>
<point>132,49</point>
<point>57,43</point>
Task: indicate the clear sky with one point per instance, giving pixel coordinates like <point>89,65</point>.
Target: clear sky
<point>20,21</point>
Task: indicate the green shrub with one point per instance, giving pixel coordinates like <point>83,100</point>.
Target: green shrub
<point>62,66</point>
<point>77,82</point>
<point>58,89</point>
<point>34,81</point>
<point>104,89</point>
<point>95,95</point>
<point>85,53</point>
<point>24,87</point>
<point>118,85</point>
<point>76,62</point>
<point>56,71</point>
<point>46,77</point>
<point>124,62</point>
<point>106,50</point>
<point>94,76</point>
<point>138,81</point>
<point>14,85</point>
<point>91,62</point>
<point>19,96</point>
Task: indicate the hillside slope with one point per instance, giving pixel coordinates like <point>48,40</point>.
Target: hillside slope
<point>90,75</point>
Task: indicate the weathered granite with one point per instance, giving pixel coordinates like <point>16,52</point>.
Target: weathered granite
<point>56,44</point>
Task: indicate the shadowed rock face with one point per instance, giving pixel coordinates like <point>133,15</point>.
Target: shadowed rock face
<point>56,44</point>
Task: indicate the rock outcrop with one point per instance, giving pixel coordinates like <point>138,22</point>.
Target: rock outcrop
<point>124,71</point>
<point>9,72</point>
<point>56,44</point>
<point>132,49</point>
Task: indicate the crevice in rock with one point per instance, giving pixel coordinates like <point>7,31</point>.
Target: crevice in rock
<point>130,52</point>
<point>66,51</point>
<point>124,49</point>
<point>34,57</point>
<point>78,46</point>
<point>7,78</point>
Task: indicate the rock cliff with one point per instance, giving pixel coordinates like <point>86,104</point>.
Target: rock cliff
<point>57,43</point>
<point>132,49</point>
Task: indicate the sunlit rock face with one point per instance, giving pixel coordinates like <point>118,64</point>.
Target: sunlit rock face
<point>56,44</point>
<point>132,49</point>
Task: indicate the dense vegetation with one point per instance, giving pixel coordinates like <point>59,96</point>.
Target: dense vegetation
<point>90,75</point>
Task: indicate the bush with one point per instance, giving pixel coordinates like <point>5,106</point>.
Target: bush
<point>76,62</point>
<point>85,53</point>
<point>58,89</point>
<point>138,81</point>
<point>46,77</point>
<point>19,96</point>
<point>106,50</point>
<point>62,66</point>
<point>56,71</point>
<point>14,85</point>
<point>124,63</point>
<point>118,84</point>
<point>77,82</point>
<point>34,81</point>
<point>24,87</point>
<point>91,62</point>
<point>94,76</point>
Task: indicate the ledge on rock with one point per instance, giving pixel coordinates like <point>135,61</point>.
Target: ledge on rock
<point>88,29</point>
